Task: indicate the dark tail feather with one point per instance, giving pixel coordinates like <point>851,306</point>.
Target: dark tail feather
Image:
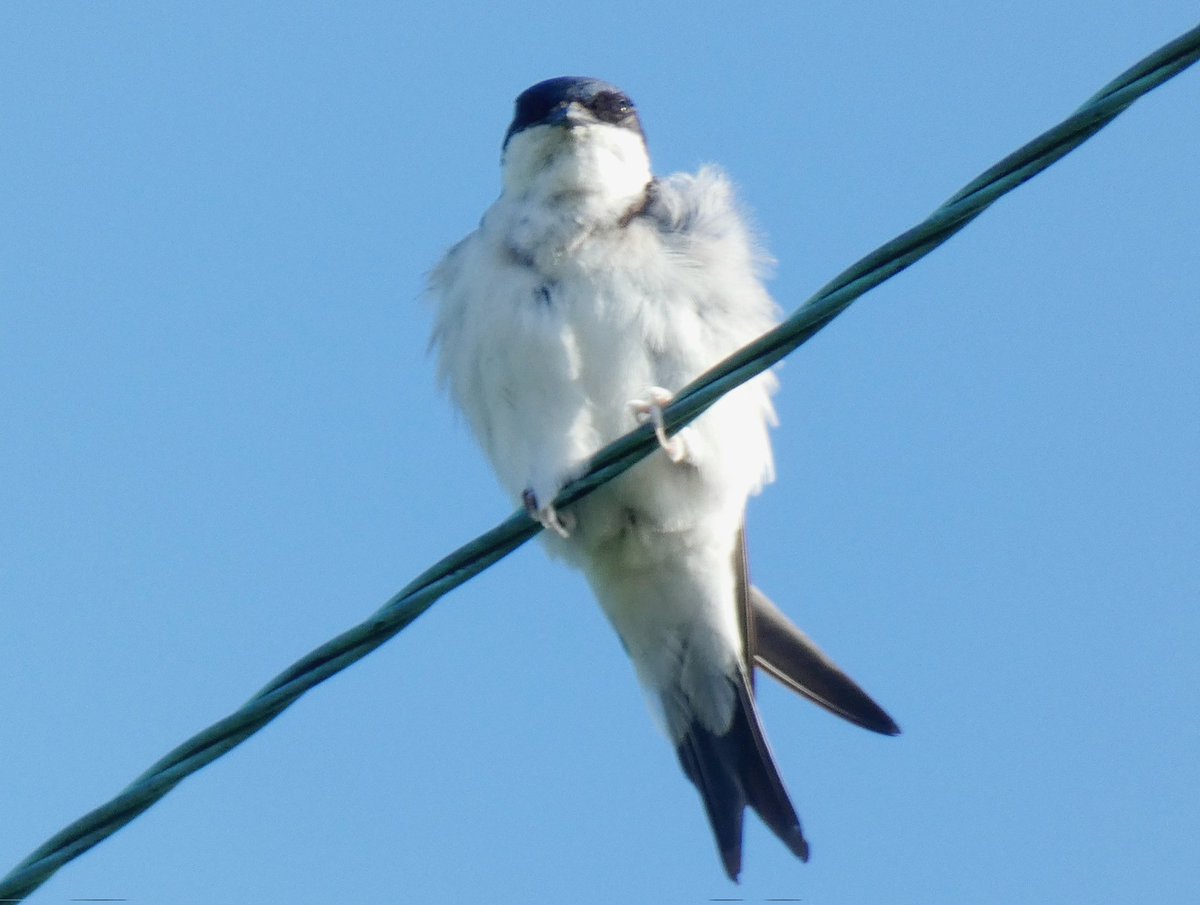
<point>734,770</point>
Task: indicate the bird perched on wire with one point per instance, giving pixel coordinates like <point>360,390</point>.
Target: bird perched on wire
<point>589,293</point>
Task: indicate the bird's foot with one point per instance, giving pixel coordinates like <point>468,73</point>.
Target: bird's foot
<point>547,516</point>
<point>651,409</point>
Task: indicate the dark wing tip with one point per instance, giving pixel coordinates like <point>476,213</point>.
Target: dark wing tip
<point>790,656</point>
<point>887,726</point>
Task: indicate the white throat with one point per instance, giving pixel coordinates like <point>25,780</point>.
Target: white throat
<point>594,171</point>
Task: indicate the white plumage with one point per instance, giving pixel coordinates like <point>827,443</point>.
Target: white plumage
<point>587,284</point>
<point>552,317</point>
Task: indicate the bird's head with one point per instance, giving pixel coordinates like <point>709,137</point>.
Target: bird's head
<point>573,136</point>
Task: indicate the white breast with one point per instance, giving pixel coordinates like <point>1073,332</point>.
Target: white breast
<point>548,324</point>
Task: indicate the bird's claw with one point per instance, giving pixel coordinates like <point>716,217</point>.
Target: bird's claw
<point>547,516</point>
<point>651,409</point>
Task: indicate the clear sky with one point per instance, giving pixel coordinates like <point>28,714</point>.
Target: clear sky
<point>221,443</point>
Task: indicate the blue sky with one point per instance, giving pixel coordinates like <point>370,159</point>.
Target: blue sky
<point>222,444</point>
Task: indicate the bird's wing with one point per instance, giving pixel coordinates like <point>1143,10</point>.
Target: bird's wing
<point>777,646</point>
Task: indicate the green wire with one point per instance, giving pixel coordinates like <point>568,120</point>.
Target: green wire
<point>471,559</point>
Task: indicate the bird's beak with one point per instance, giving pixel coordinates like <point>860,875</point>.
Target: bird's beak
<point>566,114</point>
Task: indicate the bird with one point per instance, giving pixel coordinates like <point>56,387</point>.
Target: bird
<point>590,292</point>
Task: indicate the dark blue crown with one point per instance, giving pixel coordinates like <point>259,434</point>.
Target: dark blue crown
<point>546,104</point>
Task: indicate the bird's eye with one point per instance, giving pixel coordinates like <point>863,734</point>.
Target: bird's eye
<point>611,107</point>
